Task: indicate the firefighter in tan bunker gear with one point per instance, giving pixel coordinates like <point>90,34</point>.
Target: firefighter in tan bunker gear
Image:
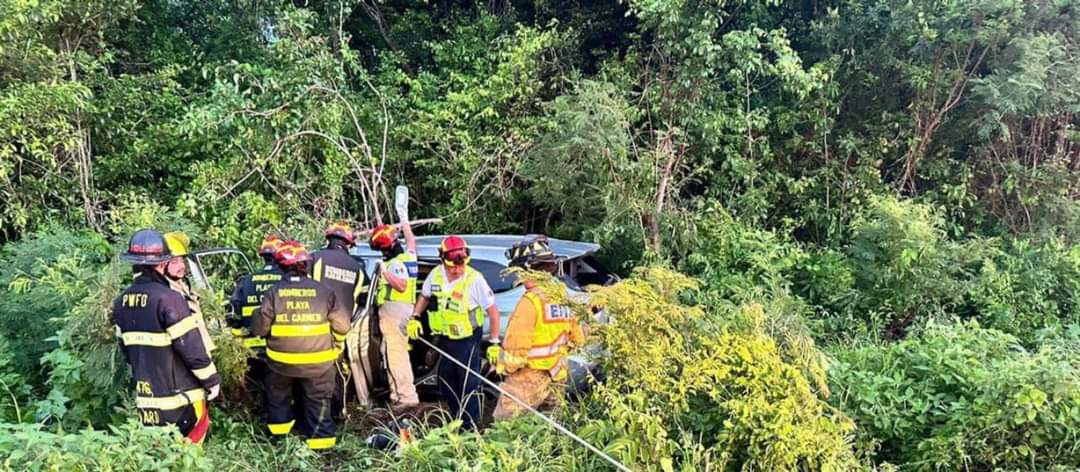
<point>538,337</point>
<point>176,271</point>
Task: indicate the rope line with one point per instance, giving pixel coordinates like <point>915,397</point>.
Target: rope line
<point>553,423</point>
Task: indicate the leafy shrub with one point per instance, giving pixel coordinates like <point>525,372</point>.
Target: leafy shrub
<point>1028,289</point>
<point>904,268</point>
<point>43,276</point>
<point>963,397</point>
<point>14,388</point>
<point>125,447</point>
<point>735,259</point>
<point>691,389</point>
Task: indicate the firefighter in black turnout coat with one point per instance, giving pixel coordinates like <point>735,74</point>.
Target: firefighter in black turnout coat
<point>304,325</point>
<point>172,370</point>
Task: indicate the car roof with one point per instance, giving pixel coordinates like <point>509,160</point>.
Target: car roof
<point>490,247</point>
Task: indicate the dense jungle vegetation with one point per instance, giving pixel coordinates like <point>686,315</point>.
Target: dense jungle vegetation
<point>849,229</point>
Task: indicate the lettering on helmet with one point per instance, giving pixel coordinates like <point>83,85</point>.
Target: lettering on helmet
<point>558,313</point>
<point>296,293</point>
<point>339,274</point>
<point>136,300</point>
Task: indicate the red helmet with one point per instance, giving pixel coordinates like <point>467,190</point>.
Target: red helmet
<point>270,245</point>
<point>341,230</point>
<point>290,253</point>
<point>382,237</point>
<point>454,251</point>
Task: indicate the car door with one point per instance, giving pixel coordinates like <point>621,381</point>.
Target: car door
<point>220,265</point>
<point>363,345</point>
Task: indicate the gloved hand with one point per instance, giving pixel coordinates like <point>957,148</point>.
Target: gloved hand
<point>493,353</point>
<point>414,329</point>
<point>213,392</point>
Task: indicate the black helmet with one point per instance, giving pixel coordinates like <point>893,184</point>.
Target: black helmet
<point>147,247</point>
<point>532,249</point>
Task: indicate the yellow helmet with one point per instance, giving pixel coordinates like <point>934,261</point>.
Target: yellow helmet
<point>178,243</point>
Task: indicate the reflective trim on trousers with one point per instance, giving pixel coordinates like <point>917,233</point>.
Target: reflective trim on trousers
<point>321,443</point>
<point>279,429</point>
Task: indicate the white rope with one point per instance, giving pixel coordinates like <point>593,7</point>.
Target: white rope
<point>532,410</point>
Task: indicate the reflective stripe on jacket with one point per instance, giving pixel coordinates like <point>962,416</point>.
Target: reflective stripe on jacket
<point>247,298</point>
<point>542,340</point>
<point>452,316</point>
<point>161,341</point>
<point>301,320</point>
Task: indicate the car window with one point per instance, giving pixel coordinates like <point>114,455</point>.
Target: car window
<point>493,272</point>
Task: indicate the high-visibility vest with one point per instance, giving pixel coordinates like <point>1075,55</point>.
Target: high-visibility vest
<point>550,340</point>
<point>452,317</point>
<point>409,295</point>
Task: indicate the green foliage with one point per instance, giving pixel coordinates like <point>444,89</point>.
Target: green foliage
<point>1028,289</point>
<point>689,388</point>
<point>963,397</point>
<point>125,447</point>
<point>43,276</point>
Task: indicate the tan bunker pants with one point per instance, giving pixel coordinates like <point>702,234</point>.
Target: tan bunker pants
<point>530,386</point>
<point>393,316</point>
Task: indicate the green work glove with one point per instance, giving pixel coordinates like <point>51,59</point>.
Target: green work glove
<point>493,353</point>
<point>414,329</point>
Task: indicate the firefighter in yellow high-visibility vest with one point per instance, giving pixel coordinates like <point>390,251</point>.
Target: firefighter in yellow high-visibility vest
<point>396,297</point>
<point>538,337</point>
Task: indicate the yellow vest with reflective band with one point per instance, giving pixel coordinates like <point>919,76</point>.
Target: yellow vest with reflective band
<point>386,291</point>
<point>452,317</point>
<point>550,339</point>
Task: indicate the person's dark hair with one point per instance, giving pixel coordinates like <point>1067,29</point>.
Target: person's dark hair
<point>142,268</point>
<point>394,251</point>
<point>337,242</point>
<point>300,268</point>
<point>268,259</point>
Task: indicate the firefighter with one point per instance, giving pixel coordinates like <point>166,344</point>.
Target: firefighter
<point>303,323</point>
<point>538,336</point>
<point>247,296</point>
<point>462,296</point>
<point>245,301</point>
<point>173,374</point>
<point>176,273</point>
<point>339,271</point>
<point>334,267</point>
<point>396,296</point>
